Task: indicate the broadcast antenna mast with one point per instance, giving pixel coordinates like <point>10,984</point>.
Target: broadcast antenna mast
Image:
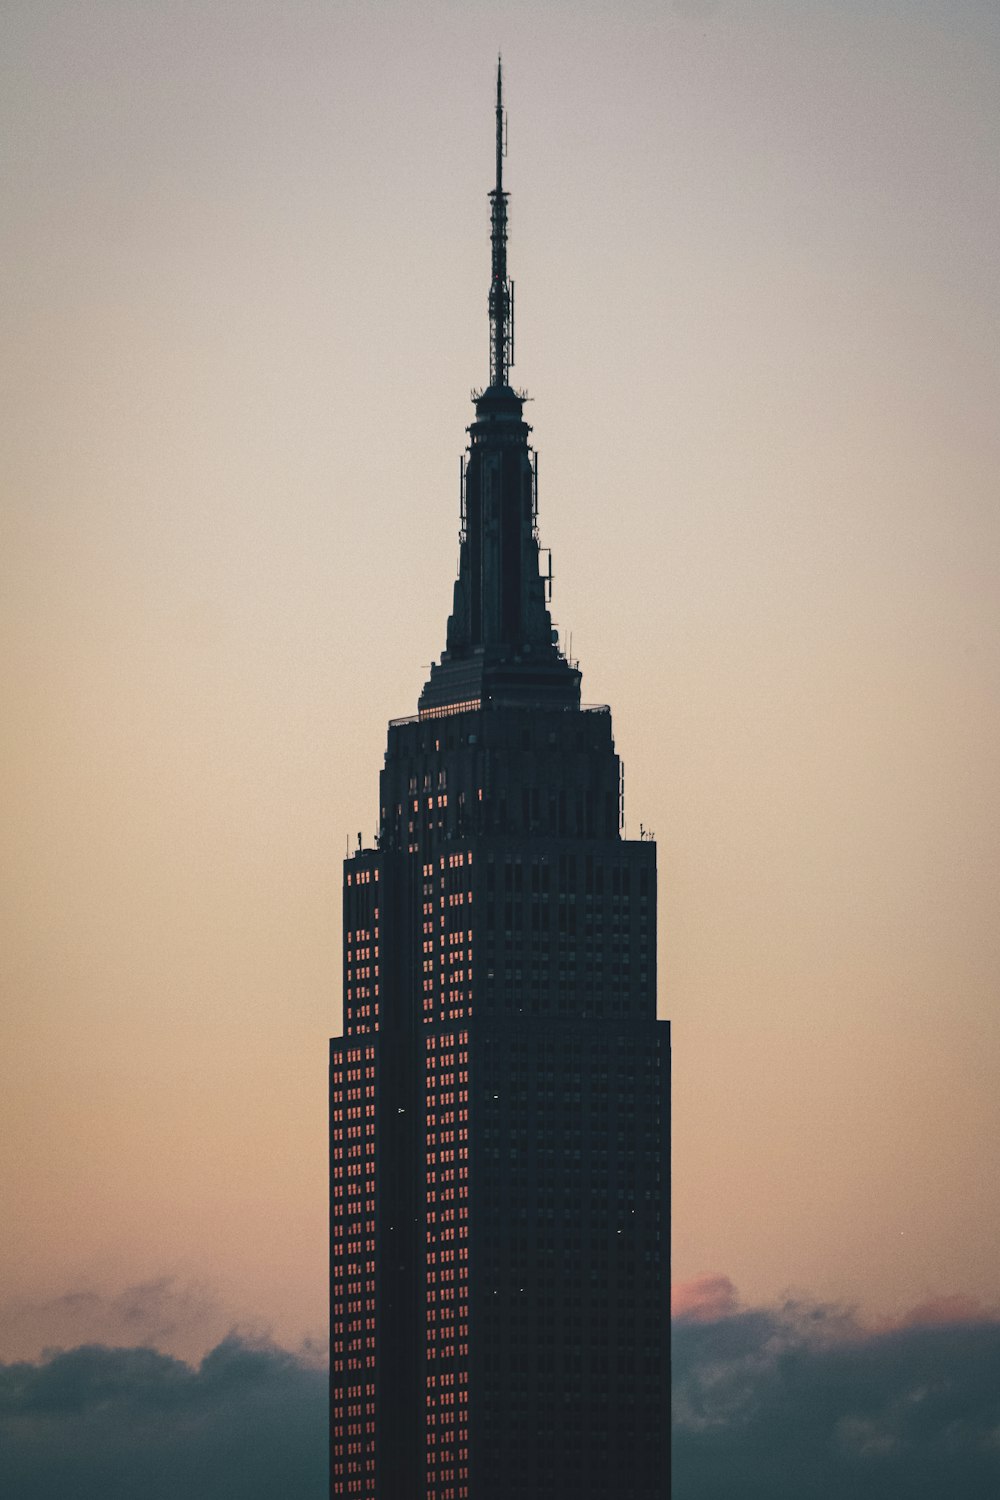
<point>501,290</point>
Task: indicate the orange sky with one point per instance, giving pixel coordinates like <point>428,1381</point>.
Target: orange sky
<point>245,257</point>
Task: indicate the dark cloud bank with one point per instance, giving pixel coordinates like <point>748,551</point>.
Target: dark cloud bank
<point>796,1404</point>
<point>801,1404</point>
<point>95,1423</point>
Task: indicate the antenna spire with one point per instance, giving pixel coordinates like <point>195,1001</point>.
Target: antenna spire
<point>501,290</point>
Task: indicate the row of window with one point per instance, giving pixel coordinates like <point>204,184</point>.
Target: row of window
<point>446,1321</point>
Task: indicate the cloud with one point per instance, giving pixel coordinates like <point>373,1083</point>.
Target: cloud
<point>800,1402</point>
<point>702,1299</point>
<point>804,1403</point>
<point>185,1318</point>
<point>939,1310</point>
<point>97,1423</point>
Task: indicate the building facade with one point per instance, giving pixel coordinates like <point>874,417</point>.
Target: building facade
<point>499,1098</point>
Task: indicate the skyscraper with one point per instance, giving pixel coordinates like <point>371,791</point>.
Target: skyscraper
<point>499,1099</point>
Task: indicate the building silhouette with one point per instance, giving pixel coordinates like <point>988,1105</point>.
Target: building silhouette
<point>499,1099</point>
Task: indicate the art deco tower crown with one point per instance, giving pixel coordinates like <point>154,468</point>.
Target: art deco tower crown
<point>501,644</point>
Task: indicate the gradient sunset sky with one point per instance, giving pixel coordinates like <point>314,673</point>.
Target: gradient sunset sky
<point>245,256</point>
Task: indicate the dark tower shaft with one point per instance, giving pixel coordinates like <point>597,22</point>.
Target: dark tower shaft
<point>499,1100</point>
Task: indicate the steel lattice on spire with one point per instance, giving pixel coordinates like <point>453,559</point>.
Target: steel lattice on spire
<point>501,290</point>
